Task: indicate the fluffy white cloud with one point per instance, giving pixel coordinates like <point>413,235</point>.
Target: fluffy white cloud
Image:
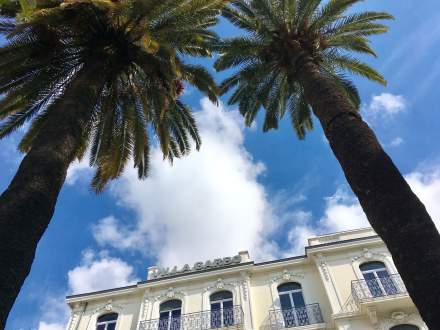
<point>51,326</point>
<point>343,211</point>
<point>79,171</point>
<point>426,185</point>
<point>207,204</point>
<point>385,106</point>
<point>397,141</point>
<point>99,272</point>
<point>55,313</point>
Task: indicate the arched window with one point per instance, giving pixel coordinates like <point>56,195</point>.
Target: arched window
<point>107,322</point>
<point>222,309</point>
<point>292,304</point>
<point>169,315</point>
<point>378,279</point>
<point>405,327</point>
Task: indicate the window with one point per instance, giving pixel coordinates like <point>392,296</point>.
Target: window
<point>222,309</point>
<point>107,322</point>
<point>169,315</point>
<point>378,279</point>
<point>292,305</point>
<point>405,327</point>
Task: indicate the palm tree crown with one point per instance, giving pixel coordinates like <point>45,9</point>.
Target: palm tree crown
<point>130,52</point>
<point>284,35</point>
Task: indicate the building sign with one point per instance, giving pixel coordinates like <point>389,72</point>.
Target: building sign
<point>198,266</point>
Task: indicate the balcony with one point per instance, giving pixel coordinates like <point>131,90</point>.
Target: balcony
<point>296,317</point>
<point>389,292</point>
<point>215,319</point>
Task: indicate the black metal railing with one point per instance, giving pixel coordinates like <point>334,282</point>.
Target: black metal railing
<point>295,317</point>
<point>388,286</point>
<point>213,319</point>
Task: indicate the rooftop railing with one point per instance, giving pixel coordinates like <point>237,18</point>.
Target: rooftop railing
<point>388,286</point>
<point>295,317</point>
<point>213,319</point>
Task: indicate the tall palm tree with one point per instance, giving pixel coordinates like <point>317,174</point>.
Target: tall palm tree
<point>292,60</point>
<point>94,75</point>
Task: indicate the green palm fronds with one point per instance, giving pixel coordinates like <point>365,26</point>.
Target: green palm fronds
<point>133,49</point>
<point>281,36</point>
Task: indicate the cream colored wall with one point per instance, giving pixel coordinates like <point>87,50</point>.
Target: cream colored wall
<point>264,294</point>
<point>127,308</point>
<point>343,267</point>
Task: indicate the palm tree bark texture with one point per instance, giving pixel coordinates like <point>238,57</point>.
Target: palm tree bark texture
<point>393,210</point>
<point>29,201</point>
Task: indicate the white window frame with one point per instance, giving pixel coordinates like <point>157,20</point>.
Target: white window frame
<point>170,312</point>
<point>290,293</point>
<point>376,277</point>
<point>107,323</point>
<point>221,301</point>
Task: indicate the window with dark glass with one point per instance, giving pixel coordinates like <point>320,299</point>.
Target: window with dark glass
<point>378,279</point>
<point>169,315</point>
<point>107,322</point>
<point>405,327</point>
<point>222,309</point>
<point>292,304</point>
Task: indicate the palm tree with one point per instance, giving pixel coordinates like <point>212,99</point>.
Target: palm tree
<point>92,75</point>
<point>292,60</point>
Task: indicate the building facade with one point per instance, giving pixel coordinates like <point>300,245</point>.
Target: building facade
<point>344,281</point>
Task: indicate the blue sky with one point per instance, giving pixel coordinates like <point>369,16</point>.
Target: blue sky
<point>244,189</point>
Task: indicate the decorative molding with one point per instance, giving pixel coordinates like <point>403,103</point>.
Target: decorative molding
<point>372,315</point>
<point>220,284</point>
<point>245,288</point>
<point>400,317</point>
<point>323,266</point>
<point>109,307</point>
<point>146,302</point>
<point>171,293</point>
<point>369,255</point>
<point>286,276</point>
<point>74,319</point>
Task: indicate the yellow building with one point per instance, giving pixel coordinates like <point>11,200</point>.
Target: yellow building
<point>344,281</point>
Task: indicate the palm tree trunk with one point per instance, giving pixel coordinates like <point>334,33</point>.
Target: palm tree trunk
<point>28,203</point>
<point>393,210</point>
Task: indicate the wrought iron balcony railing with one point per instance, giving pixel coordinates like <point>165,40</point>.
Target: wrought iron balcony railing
<point>295,317</point>
<point>366,290</point>
<point>213,319</point>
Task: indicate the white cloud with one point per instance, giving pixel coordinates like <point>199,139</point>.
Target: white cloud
<point>426,185</point>
<point>78,171</point>
<point>55,313</point>
<point>385,106</point>
<point>99,272</point>
<point>207,204</point>
<point>397,141</point>
<point>343,211</point>
<point>51,326</point>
